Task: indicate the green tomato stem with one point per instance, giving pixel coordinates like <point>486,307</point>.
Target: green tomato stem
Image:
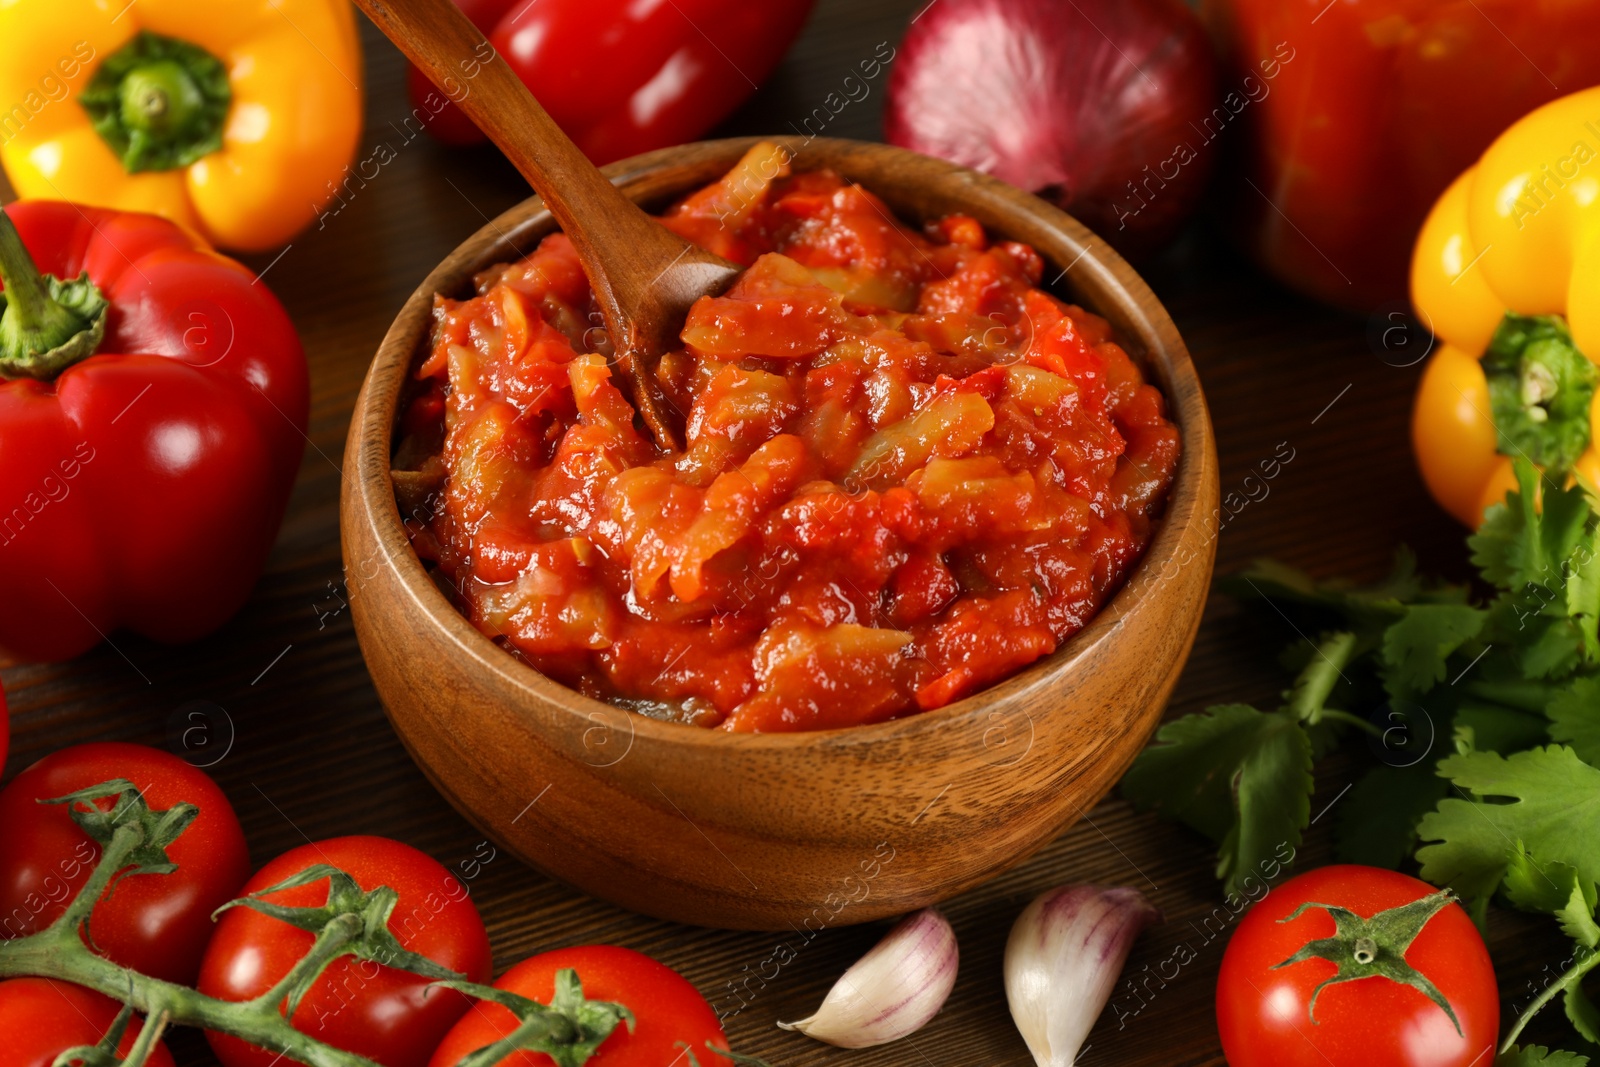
<point>112,860</point>
<point>145,1043</point>
<point>568,1030</point>
<point>59,952</point>
<point>1571,975</point>
<point>50,955</point>
<point>328,945</point>
<point>540,1027</point>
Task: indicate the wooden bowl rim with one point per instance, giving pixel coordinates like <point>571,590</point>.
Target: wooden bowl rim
<point>1159,343</point>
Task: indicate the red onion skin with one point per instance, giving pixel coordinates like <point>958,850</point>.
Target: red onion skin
<point>1097,105</point>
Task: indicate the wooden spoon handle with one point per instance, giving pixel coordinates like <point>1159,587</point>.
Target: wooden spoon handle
<point>643,275</point>
<point>450,50</point>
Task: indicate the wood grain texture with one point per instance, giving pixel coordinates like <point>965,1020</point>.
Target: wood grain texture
<point>782,831</point>
<point>296,735</point>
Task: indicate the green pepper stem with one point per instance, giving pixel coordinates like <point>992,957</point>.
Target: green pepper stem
<point>46,324</point>
<point>159,103</point>
<point>1540,389</point>
<point>27,296</point>
<point>160,98</point>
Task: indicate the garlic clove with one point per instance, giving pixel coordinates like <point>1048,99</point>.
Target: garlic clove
<point>1063,959</point>
<point>892,991</point>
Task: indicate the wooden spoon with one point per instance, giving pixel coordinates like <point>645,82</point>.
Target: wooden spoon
<point>643,275</point>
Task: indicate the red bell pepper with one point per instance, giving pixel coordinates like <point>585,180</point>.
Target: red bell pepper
<point>153,403</point>
<point>625,76</point>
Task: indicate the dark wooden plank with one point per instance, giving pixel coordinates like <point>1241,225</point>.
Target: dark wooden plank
<point>308,753</point>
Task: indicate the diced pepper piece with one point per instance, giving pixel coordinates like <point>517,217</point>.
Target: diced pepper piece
<point>818,678</point>
<point>952,424</point>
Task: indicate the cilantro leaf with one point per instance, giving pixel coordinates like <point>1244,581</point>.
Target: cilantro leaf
<point>1273,794</point>
<point>1540,389</point>
<point>1538,1056</point>
<point>1240,776</point>
<point>1530,697</point>
<point>1555,888</point>
<point>1367,610</point>
<point>1563,520</point>
<point>1278,581</point>
<point>1576,917</point>
<point>1583,597</point>
<point>1418,645</point>
<point>1555,813</point>
<point>1322,671</point>
<point>1506,548</point>
<point>1187,773</point>
<point>1575,717</point>
<point>1378,820</point>
<point>1554,649</point>
<point>1527,539</point>
<point>1581,1012</point>
<point>1502,729</point>
<point>1500,545</point>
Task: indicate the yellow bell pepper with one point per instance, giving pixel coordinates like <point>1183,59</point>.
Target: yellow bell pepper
<point>235,118</point>
<point>1506,273</point>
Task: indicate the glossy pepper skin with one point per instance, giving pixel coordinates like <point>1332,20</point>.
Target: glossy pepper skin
<point>1517,234</point>
<point>269,158</point>
<point>1358,114</point>
<point>623,77</point>
<point>143,487</point>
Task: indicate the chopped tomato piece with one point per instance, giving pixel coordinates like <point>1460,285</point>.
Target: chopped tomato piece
<point>908,470</point>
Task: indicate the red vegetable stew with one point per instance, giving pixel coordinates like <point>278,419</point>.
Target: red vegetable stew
<point>909,470</point>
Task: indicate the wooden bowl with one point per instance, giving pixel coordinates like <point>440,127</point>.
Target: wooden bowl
<point>769,831</point>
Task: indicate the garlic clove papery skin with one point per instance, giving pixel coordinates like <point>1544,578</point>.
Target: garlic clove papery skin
<point>892,991</point>
<point>1063,959</point>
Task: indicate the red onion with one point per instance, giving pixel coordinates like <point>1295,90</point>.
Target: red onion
<point>1097,105</point>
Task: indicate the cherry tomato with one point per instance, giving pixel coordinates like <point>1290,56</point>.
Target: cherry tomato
<point>656,74</point>
<point>1263,1011</point>
<point>157,924</point>
<point>5,729</point>
<point>41,1018</point>
<point>653,74</point>
<point>669,1012</point>
<point>384,1014</point>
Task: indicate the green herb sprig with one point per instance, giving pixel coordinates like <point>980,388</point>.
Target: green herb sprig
<point>1485,713</point>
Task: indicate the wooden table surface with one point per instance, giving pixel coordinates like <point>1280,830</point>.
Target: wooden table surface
<point>301,746</point>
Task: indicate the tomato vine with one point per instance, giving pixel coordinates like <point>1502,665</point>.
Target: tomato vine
<point>134,839</point>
